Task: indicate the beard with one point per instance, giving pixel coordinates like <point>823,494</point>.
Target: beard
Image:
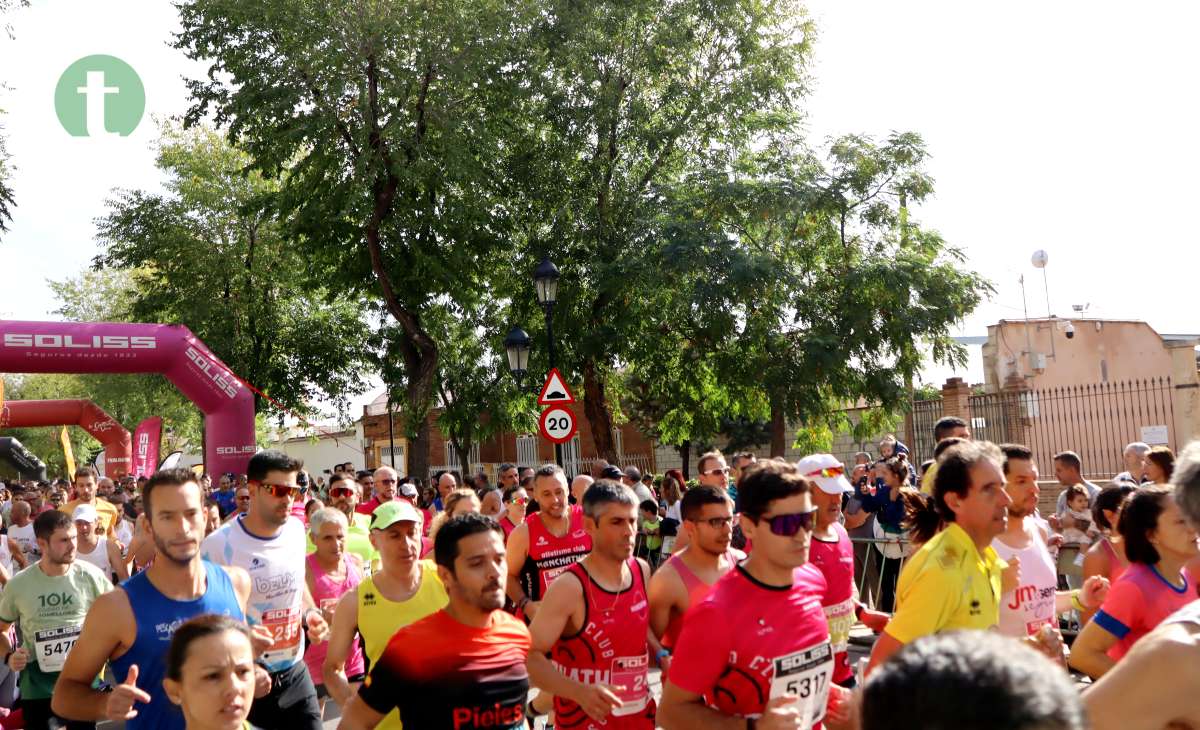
<point>164,550</point>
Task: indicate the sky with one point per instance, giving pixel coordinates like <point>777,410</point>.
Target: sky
<point>1062,126</point>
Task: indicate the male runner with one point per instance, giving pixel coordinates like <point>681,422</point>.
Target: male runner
<point>96,549</point>
<point>464,666</point>
<point>713,472</point>
<point>756,651</point>
<point>269,544</point>
<point>85,493</point>
<point>48,602</point>
<point>1036,602</point>
<point>954,580</point>
<point>21,531</point>
<point>1154,685</point>
<point>343,496</point>
<point>690,574</point>
<point>833,554</point>
<point>594,622</point>
<point>546,543</point>
<point>403,591</point>
<point>386,482</point>
<point>131,627</point>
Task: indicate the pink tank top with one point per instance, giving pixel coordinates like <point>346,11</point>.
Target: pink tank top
<point>326,593</point>
<point>696,590</point>
<point>1116,566</point>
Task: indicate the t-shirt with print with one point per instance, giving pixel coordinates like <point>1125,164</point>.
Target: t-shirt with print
<point>747,642</point>
<point>276,568</point>
<point>445,675</point>
<point>49,612</point>
<point>1138,602</point>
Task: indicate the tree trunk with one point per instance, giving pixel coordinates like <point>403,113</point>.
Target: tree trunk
<point>778,431</point>
<point>685,456</point>
<point>595,407</point>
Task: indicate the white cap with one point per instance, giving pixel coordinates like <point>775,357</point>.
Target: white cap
<point>813,466</point>
<point>86,513</point>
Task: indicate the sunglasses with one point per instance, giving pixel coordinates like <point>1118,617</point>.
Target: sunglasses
<point>341,492</point>
<point>519,500</point>
<point>714,472</point>
<point>789,525</point>
<point>718,522</point>
<point>282,490</point>
<point>832,471</point>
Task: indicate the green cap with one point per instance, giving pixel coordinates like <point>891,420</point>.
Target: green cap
<point>397,510</point>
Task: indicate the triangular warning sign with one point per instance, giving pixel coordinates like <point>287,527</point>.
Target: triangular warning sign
<point>555,390</point>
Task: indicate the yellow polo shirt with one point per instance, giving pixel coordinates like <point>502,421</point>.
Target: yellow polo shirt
<point>927,480</point>
<point>948,584</point>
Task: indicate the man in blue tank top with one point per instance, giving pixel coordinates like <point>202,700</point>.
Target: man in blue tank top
<point>131,626</point>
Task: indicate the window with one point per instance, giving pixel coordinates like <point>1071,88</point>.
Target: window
<point>452,458</point>
<point>527,451</point>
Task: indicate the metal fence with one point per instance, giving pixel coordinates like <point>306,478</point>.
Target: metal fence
<point>1094,420</point>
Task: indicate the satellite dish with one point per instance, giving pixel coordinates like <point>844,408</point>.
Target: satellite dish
<point>1040,258</point>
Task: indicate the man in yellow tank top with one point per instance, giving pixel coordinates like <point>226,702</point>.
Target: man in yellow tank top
<point>405,590</point>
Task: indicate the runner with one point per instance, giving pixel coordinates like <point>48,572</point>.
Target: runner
<point>85,493</point>
<point>516,499</point>
<point>1154,686</point>
<point>21,531</point>
<point>954,580</point>
<point>386,481</point>
<point>48,603</point>
<point>130,627</point>
<point>1159,543</point>
<point>405,590</point>
<point>464,666</point>
<point>690,574</point>
<point>210,673</point>
<point>343,496</point>
<point>93,548</point>
<point>776,669</point>
<point>330,573</point>
<point>547,543</point>
<point>1036,602</point>
<point>713,472</point>
<point>269,544</point>
<point>833,554</point>
<point>594,623</point>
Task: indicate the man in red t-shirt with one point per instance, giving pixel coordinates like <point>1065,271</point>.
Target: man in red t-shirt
<point>756,653</point>
<point>464,666</point>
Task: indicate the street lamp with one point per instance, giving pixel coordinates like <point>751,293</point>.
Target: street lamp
<point>516,344</point>
<point>545,277</point>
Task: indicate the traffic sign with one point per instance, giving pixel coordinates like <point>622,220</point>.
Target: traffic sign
<point>554,390</point>
<point>557,425</point>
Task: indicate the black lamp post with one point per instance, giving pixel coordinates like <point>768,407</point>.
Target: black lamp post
<point>516,344</point>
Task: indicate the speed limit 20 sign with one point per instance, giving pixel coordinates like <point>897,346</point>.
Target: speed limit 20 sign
<point>558,425</point>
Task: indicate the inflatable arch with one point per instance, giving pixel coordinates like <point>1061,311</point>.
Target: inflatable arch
<point>18,457</point>
<point>169,350</point>
<point>118,446</point>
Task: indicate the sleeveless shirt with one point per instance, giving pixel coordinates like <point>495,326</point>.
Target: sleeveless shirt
<point>696,590</point>
<point>609,649</point>
<point>550,555</point>
<point>99,557</point>
<point>326,594</point>
<point>1026,610</point>
<point>156,618</point>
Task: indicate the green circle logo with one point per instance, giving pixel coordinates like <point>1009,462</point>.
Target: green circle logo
<point>99,96</point>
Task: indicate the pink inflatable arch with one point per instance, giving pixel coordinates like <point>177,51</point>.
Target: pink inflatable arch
<point>118,446</point>
<point>170,350</point>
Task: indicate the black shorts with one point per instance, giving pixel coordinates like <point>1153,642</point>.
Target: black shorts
<point>323,693</point>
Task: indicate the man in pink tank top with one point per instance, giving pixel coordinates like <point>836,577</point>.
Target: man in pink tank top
<point>687,577</point>
<point>594,622</point>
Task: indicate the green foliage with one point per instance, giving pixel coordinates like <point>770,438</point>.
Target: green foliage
<point>208,254</point>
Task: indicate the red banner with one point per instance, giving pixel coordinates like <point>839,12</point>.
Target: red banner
<point>146,440</point>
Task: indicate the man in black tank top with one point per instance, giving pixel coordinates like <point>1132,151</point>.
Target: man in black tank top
<point>1154,686</point>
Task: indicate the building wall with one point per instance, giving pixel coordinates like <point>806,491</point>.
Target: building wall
<point>1101,351</point>
<point>325,451</point>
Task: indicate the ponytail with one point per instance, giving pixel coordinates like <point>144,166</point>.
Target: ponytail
<point>921,517</point>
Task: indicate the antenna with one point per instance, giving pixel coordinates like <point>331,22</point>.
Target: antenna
<point>1039,259</point>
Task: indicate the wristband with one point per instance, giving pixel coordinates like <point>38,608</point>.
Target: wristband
<point>1075,602</point>
<point>663,652</point>
<point>304,617</point>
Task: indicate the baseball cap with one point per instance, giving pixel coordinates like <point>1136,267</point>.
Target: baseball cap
<point>85,512</point>
<point>408,490</point>
<point>827,472</point>
<point>389,513</point>
<point>611,472</point>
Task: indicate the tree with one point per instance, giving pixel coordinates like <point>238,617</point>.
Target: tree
<point>209,254</point>
<point>389,122</point>
<point>8,199</point>
<point>635,96</point>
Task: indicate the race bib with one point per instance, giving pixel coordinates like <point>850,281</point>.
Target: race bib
<point>841,619</point>
<point>806,674</point>
<point>328,604</point>
<point>284,624</point>
<point>53,645</point>
<point>630,677</point>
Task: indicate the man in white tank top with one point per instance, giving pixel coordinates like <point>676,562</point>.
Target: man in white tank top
<point>97,549</point>
<point>1031,600</point>
<point>21,530</point>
